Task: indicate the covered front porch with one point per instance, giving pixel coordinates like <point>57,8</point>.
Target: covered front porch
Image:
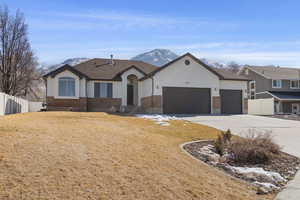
<point>286,102</point>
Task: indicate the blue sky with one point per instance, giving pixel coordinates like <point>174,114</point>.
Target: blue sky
<point>246,31</point>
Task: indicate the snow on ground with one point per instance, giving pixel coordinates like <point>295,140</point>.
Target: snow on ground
<point>159,119</point>
<point>274,176</point>
<point>266,185</point>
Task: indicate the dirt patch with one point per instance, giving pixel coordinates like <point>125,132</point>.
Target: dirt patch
<point>79,156</point>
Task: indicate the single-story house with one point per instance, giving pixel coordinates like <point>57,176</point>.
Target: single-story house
<point>185,85</point>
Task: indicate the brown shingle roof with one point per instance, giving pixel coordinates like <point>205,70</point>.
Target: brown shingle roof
<point>101,69</point>
<point>277,72</point>
<point>229,75</point>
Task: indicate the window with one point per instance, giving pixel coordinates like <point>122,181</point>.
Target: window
<point>187,62</point>
<point>252,85</point>
<point>294,84</point>
<point>276,83</point>
<point>103,90</point>
<point>66,87</point>
<point>252,95</point>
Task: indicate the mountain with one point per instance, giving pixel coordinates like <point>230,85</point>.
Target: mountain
<point>156,57</point>
<point>70,61</point>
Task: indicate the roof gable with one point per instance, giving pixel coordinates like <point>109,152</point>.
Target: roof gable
<point>64,68</point>
<point>221,74</point>
<point>102,69</point>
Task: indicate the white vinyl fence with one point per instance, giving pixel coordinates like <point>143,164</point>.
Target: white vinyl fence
<point>11,105</point>
<point>261,106</point>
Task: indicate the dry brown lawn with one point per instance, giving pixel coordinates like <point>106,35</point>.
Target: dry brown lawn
<point>67,155</point>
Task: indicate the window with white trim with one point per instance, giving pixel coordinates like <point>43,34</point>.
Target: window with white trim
<point>66,87</point>
<point>103,90</point>
<point>252,85</point>
<point>276,83</point>
<point>294,84</point>
<point>252,89</point>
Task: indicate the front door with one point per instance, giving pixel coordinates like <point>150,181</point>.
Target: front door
<point>130,95</point>
<point>295,108</point>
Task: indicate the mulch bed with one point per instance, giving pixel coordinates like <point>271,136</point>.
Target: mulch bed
<point>285,164</point>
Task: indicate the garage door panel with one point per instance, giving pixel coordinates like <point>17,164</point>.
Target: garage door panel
<point>231,101</point>
<point>180,100</point>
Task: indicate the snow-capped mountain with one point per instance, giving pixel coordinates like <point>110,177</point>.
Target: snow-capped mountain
<point>156,57</point>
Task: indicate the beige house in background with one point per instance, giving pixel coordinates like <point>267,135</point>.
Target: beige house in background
<point>183,86</point>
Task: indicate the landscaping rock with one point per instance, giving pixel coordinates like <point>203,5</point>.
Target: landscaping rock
<point>268,177</point>
<point>262,190</point>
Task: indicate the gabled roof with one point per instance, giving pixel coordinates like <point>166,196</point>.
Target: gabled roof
<point>102,69</point>
<point>272,72</point>
<point>223,74</point>
<point>64,68</point>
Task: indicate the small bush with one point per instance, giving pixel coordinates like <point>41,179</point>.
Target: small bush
<point>254,148</point>
<point>222,142</point>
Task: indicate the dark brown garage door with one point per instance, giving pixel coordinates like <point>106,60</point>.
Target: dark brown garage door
<point>231,101</point>
<point>179,100</point>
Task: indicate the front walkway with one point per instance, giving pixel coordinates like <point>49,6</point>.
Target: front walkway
<point>286,133</point>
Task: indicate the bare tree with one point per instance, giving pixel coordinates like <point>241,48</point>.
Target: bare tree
<point>233,66</point>
<point>17,61</point>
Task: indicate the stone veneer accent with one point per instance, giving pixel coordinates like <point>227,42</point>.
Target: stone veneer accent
<point>84,104</point>
<point>245,106</point>
<point>152,104</point>
<point>216,105</point>
<point>54,104</point>
<point>104,104</point>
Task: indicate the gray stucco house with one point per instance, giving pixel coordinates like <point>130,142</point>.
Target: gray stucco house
<point>280,83</point>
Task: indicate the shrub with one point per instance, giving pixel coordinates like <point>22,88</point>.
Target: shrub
<point>222,142</point>
<point>255,148</point>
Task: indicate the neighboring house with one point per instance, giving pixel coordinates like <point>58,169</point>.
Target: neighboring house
<point>184,85</point>
<point>279,83</point>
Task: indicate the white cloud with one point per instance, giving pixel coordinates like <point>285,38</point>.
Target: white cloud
<point>255,58</point>
<point>120,20</point>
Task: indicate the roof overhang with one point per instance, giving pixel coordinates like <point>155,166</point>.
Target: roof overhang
<point>180,57</point>
<point>280,98</point>
<point>65,68</point>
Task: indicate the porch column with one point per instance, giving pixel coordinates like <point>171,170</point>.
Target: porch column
<point>124,91</point>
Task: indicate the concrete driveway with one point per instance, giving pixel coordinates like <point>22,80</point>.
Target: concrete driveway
<point>286,133</point>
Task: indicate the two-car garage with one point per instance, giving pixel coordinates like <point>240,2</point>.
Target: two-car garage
<point>186,85</point>
<point>184,100</point>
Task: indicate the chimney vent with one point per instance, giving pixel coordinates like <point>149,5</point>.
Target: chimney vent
<point>111,59</point>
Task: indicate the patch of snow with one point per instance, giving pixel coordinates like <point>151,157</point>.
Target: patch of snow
<point>266,185</point>
<point>159,119</point>
<point>276,177</point>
